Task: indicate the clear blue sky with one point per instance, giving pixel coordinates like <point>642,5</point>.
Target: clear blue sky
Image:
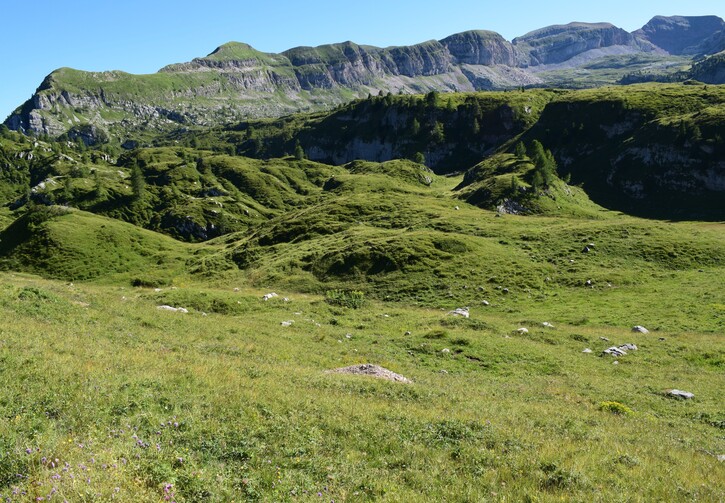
<point>38,36</point>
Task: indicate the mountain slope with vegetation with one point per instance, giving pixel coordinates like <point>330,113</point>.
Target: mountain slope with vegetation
<point>238,82</point>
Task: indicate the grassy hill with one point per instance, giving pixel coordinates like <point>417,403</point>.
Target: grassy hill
<point>108,397</point>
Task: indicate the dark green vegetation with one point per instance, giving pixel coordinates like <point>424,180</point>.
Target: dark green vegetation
<point>423,204</point>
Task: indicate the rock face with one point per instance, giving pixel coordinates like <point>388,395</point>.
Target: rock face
<point>559,43</point>
<point>681,34</point>
<point>480,48</point>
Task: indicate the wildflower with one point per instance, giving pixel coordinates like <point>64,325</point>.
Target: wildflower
<point>28,450</point>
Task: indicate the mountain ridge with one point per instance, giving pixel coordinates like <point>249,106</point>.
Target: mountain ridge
<point>236,81</point>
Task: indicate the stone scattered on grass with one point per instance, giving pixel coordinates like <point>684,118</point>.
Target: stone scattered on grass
<point>486,303</point>
<point>546,324</point>
<point>640,329</point>
<point>523,330</point>
<point>587,350</point>
<point>371,370</point>
<point>721,458</point>
<point>270,295</point>
<point>677,393</point>
<point>604,339</point>
<point>445,350</point>
<point>287,323</point>
<point>173,309</point>
<point>619,350</point>
<point>461,311</point>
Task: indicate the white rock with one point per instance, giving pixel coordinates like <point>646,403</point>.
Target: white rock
<point>587,350</point>
<point>236,289</point>
<point>546,324</point>
<point>640,329</point>
<point>615,362</point>
<point>456,208</point>
<point>172,309</point>
<point>445,350</point>
<point>680,394</point>
<point>157,290</point>
<point>461,311</point>
<point>287,323</point>
<point>486,303</point>
<point>269,296</point>
<point>721,457</point>
<point>523,330</point>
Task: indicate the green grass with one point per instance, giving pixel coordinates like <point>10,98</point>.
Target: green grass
<point>234,406</point>
<point>227,403</point>
<point>106,397</point>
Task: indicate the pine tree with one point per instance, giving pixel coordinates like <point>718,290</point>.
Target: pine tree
<point>138,183</point>
<point>299,151</point>
<point>520,150</point>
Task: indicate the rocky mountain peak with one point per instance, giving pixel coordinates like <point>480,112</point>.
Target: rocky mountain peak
<point>480,47</point>
<point>558,43</point>
<point>682,34</point>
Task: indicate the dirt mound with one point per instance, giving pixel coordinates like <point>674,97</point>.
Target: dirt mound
<point>371,370</point>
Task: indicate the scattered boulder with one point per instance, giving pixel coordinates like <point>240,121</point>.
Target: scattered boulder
<point>523,330</point>
<point>269,296</point>
<point>640,329</point>
<point>586,249</point>
<point>461,311</point>
<point>721,457</point>
<point>371,370</point>
<point>287,323</point>
<point>173,309</point>
<point>589,283</point>
<point>619,350</point>
<point>546,324</point>
<point>485,303</point>
<point>445,350</point>
<point>587,350</point>
<point>677,393</point>
<point>604,339</point>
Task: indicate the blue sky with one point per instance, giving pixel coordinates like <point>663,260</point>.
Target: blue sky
<point>138,36</point>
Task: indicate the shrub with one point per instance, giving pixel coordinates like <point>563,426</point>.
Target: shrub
<point>616,408</point>
<point>346,298</point>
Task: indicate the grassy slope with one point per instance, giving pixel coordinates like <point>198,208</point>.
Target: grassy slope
<point>75,245</point>
<point>93,370</point>
<point>234,406</point>
<point>98,378</point>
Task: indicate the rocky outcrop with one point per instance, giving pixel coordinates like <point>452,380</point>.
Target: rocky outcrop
<point>555,44</point>
<point>711,70</point>
<point>682,34</point>
<point>480,48</point>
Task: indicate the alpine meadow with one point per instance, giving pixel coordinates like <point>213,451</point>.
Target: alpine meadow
<point>466,270</point>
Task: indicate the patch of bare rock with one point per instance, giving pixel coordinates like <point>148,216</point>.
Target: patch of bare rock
<point>371,370</point>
